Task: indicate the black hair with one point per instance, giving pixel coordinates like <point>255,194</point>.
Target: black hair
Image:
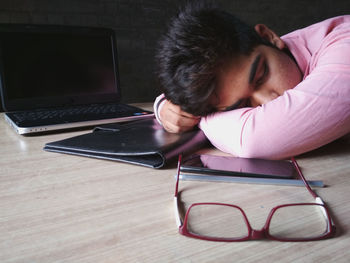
<point>200,40</point>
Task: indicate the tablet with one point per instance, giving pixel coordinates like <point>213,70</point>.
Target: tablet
<point>235,166</point>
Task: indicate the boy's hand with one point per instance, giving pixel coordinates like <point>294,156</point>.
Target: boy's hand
<point>175,120</point>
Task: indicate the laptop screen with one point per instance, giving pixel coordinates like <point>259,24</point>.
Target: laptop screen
<point>52,66</point>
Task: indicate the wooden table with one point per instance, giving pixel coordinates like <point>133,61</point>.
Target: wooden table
<point>63,208</point>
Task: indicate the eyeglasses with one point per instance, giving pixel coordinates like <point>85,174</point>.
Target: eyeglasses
<point>227,222</point>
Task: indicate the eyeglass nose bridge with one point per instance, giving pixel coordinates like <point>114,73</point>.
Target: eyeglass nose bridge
<point>258,234</point>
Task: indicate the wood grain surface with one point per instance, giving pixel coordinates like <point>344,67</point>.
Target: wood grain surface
<point>63,208</point>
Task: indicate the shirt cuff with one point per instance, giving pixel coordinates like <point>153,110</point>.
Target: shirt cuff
<point>157,106</point>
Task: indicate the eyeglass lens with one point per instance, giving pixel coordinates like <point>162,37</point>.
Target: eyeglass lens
<point>217,221</point>
<point>298,221</point>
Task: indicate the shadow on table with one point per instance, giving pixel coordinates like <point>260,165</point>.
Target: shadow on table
<point>338,147</point>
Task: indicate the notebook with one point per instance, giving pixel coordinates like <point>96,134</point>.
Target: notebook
<point>60,77</point>
<point>143,142</point>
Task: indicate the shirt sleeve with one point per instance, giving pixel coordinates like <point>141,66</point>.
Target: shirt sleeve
<point>312,114</point>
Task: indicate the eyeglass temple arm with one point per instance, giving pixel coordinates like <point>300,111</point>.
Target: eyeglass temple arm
<point>176,202</point>
<point>317,198</point>
<point>303,178</point>
<point>178,175</point>
<point>324,212</point>
<point>177,212</point>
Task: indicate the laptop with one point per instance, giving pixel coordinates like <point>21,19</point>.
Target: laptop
<point>60,77</point>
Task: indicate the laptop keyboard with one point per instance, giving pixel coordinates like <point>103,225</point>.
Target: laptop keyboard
<point>78,113</point>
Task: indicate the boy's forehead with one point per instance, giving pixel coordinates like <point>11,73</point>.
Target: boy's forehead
<point>240,68</point>
<point>245,66</point>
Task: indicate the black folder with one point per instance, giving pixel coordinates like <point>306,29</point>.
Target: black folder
<point>142,142</point>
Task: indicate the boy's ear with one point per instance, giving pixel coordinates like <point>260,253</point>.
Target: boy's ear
<point>267,34</point>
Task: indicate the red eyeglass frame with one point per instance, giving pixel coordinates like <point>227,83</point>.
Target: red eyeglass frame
<point>252,233</point>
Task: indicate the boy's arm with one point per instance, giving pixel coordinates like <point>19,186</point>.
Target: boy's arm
<point>314,113</point>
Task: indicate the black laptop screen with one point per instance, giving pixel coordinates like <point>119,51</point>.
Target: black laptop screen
<point>57,67</point>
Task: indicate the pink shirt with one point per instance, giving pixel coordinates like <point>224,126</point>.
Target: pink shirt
<point>312,114</point>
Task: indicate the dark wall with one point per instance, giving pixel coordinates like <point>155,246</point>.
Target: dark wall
<point>284,16</point>
<point>139,23</point>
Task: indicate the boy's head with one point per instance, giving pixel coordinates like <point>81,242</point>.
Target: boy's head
<point>202,41</point>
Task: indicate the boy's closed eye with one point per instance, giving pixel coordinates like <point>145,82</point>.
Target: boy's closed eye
<point>262,74</point>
